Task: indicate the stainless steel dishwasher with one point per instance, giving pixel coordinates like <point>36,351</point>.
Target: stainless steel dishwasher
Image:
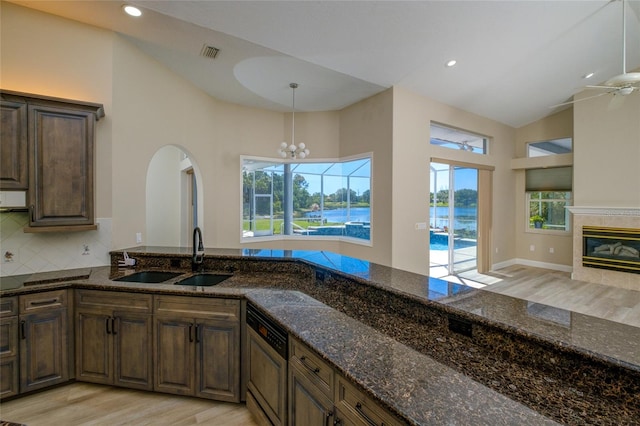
<point>267,357</point>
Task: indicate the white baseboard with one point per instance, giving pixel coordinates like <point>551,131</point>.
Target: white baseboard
<point>534,263</point>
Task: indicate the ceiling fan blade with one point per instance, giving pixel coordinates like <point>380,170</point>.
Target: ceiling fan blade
<point>579,100</point>
<point>616,102</point>
<point>601,87</point>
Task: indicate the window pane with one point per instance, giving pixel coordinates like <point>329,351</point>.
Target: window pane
<point>448,137</point>
<point>547,210</point>
<point>329,198</point>
<point>550,147</point>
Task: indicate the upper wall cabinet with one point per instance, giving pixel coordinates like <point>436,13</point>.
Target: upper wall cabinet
<point>14,172</point>
<point>61,139</point>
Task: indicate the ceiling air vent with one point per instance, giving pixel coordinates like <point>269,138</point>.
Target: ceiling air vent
<point>209,51</point>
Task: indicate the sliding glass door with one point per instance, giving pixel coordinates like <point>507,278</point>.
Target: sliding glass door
<point>453,240</point>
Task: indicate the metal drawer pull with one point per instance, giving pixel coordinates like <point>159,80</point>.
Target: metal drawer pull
<point>113,326</point>
<point>303,359</point>
<point>367,418</point>
<point>326,418</point>
<point>23,329</point>
<point>198,333</point>
<point>106,322</point>
<point>44,302</point>
<point>190,332</point>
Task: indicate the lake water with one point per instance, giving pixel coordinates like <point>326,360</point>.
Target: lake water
<point>356,214</point>
<point>465,217</point>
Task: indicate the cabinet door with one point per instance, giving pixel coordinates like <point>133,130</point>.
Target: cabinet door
<point>308,405</point>
<point>267,378</point>
<point>44,359</point>
<point>133,350</point>
<point>9,384</point>
<point>61,142</point>
<point>13,146</point>
<point>174,339</point>
<point>94,350</point>
<point>218,353</point>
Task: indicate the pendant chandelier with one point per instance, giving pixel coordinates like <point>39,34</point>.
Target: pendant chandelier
<point>291,150</point>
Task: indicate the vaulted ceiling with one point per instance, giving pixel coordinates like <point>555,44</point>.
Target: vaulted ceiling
<point>515,58</point>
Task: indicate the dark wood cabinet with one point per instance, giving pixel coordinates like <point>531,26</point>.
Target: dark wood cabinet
<point>267,380</point>
<point>9,383</point>
<point>197,347</point>
<point>14,165</point>
<point>113,338</point>
<point>44,340</point>
<point>57,161</point>
<point>308,406</point>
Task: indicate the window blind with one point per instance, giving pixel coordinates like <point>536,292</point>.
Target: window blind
<point>549,179</point>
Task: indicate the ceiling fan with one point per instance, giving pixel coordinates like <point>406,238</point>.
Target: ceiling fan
<point>620,85</point>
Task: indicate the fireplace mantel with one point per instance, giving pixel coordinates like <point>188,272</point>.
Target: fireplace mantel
<point>605,211</point>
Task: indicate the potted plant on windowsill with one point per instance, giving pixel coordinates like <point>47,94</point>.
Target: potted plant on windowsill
<point>537,221</point>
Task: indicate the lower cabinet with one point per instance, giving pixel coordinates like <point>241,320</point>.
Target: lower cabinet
<point>114,338</point>
<point>319,396</point>
<point>9,358</point>
<point>44,339</point>
<point>197,347</point>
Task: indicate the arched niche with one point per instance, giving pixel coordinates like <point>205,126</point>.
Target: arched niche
<point>173,198</point>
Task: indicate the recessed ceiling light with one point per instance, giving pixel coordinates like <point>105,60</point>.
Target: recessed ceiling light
<point>131,10</point>
<point>451,63</point>
<point>589,75</point>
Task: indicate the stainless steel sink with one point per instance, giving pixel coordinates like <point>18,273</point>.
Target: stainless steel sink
<point>149,277</point>
<point>204,279</point>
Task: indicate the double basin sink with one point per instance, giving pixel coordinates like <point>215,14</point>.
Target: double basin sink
<point>156,277</point>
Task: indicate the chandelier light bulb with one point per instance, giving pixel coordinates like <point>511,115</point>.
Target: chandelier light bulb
<point>301,145</point>
<point>283,145</point>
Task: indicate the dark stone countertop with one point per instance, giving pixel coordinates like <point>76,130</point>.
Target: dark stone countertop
<point>409,373</point>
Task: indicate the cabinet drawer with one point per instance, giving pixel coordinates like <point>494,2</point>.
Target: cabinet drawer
<point>8,306</point>
<point>114,300</point>
<point>45,300</point>
<point>316,369</point>
<point>359,408</point>
<point>198,307</point>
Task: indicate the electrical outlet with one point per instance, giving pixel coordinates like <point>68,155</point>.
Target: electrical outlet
<point>552,250</point>
<point>532,248</point>
<point>138,237</point>
<point>496,250</point>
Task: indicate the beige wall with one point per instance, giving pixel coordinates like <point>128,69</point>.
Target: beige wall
<point>555,126</point>
<point>367,127</point>
<point>607,151</point>
<point>65,59</point>
<point>412,152</point>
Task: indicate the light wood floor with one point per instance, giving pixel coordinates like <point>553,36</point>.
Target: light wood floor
<point>557,289</point>
<point>89,404</point>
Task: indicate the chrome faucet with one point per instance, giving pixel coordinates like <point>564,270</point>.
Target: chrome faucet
<point>198,250</point>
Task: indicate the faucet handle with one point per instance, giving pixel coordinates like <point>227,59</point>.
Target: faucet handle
<point>128,261</point>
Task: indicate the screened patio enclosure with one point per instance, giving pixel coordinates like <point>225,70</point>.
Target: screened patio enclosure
<point>306,198</point>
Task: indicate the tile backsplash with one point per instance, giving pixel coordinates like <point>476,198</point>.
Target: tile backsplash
<point>26,253</point>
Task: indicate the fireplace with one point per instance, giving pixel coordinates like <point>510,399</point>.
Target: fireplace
<point>616,249</point>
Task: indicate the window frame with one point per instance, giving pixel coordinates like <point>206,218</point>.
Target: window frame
<point>295,237</point>
<point>568,203</point>
<point>453,145</point>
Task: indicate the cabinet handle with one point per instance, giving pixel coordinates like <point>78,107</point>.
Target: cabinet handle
<point>364,416</point>
<point>303,359</point>
<point>23,329</point>
<point>106,322</point>
<point>198,332</point>
<point>337,422</point>
<point>326,418</point>
<point>32,214</point>
<point>114,329</point>
<point>44,302</point>
<point>190,332</point>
